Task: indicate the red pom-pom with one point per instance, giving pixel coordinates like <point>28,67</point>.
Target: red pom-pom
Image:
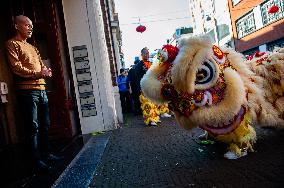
<point>217,52</point>
<point>172,52</point>
<point>258,54</point>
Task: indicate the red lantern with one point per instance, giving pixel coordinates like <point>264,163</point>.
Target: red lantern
<point>141,28</point>
<point>273,9</point>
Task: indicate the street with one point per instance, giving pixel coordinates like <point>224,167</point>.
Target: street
<point>169,156</point>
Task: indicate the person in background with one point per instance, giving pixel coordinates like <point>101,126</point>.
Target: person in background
<point>140,69</point>
<point>134,88</point>
<point>149,110</point>
<point>29,76</point>
<point>124,91</point>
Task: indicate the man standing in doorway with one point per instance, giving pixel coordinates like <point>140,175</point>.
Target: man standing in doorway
<point>29,76</point>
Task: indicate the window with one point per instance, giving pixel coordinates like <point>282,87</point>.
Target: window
<point>211,35</point>
<point>222,31</point>
<point>275,44</point>
<point>245,25</point>
<point>268,18</point>
<point>250,51</point>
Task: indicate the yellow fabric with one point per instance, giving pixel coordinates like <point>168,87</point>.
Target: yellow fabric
<point>241,138</point>
<point>26,63</point>
<point>150,110</point>
<point>163,108</point>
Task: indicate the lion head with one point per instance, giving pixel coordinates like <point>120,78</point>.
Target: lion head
<point>211,84</point>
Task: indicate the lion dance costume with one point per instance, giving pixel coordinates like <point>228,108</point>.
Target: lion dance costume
<point>150,110</point>
<point>220,91</point>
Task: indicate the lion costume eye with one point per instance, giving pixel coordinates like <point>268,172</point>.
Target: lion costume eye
<point>205,73</point>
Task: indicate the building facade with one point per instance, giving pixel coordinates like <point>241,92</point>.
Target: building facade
<point>114,43</point>
<point>254,28</point>
<point>211,17</point>
<point>80,42</point>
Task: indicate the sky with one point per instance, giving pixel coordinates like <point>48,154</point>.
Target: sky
<point>161,18</point>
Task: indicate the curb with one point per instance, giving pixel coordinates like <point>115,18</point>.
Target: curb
<point>80,172</point>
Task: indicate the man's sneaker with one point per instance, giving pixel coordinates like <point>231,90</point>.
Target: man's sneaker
<point>203,136</point>
<point>153,123</point>
<point>165,115</point>
<point>233,155</point>
<point>51,157</point>
<point>43,167</point>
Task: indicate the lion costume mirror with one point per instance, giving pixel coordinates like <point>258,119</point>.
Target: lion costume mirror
<point>218,90</point>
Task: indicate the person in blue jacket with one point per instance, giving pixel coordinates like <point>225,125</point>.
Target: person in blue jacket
<point>124,91</point>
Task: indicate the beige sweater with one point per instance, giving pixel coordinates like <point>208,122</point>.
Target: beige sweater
<point>26,64</point>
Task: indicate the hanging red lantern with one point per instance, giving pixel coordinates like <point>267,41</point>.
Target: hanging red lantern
<point>273,9</point>
<point>141,28</point>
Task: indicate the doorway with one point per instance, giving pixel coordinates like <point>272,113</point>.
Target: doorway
<point>49,37</point>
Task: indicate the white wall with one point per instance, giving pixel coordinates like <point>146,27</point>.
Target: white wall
<point>115,89</point>
<point>198,22</point>
<point>217,10</point>
<point>257,17</point>
<point>113,33</point>
<point>223,17</point>
<point>84,26</point>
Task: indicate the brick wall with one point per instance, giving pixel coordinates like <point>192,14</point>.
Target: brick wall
<point>105,8</point>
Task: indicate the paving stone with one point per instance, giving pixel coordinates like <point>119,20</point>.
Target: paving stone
<point>169,156</point>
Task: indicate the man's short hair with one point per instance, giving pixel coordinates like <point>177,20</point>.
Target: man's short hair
<point>121,70</point>
<point>144,50</point>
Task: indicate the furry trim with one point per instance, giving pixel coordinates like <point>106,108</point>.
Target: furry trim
<point>189,47</point>
<point>269,70</point>
<point>151,86</point>
<point>223,112</point>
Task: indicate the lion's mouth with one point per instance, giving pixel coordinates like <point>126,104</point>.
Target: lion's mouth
<point>226,127</point>
<point>186,103</point>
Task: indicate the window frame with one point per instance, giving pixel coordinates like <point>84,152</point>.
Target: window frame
<point>245,19</point>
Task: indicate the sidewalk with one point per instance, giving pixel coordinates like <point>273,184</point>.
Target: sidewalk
<point>169,156</point>
<point>16,164</point>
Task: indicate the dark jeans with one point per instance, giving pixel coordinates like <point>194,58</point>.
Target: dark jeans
<point>136,101</point>
<point>35,112</point>
<point>125,101</point>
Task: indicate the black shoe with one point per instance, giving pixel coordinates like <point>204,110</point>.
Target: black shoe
<point>51,157</point>
<point>42,166</point>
